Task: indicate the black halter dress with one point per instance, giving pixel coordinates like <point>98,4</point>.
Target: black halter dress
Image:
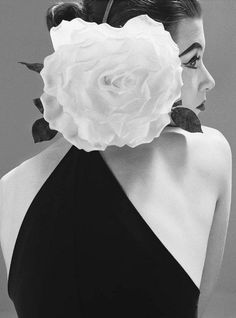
<point>84,251</point>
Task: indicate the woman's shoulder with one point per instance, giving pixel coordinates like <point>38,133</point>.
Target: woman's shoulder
<point>212,140</point>
<point>39,163</point>
<point>214,146</point>
<point>214,158</point>
<point>26,178</point>
<point>210,137</point>
<point>19,185</point>
<point>207,152</point>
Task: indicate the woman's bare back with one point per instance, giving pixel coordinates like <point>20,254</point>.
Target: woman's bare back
<point>174,190</point>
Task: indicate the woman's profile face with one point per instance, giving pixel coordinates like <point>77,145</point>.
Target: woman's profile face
<point>196,78</point>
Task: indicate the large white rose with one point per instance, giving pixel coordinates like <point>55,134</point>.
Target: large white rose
<point>110,86</point>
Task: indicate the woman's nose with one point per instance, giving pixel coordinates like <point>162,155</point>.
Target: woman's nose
<point>208,81</point>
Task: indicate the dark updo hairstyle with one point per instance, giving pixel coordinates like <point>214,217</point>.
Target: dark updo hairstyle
<point>168,12</point>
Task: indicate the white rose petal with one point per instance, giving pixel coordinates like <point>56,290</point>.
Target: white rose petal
<point>110,86</point>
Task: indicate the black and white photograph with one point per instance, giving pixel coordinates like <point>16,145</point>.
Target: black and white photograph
<point>117,140</point>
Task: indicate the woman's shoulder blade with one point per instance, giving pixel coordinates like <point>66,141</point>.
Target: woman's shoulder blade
<point>204,153</point>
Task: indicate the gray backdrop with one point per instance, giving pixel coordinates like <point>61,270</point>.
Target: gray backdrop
<point>24,37</point>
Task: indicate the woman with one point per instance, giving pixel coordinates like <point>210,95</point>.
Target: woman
<point>122,232</point>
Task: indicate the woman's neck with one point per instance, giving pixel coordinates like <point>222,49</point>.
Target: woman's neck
<point>137,155</point>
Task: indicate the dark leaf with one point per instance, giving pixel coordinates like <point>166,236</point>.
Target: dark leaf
<point>38,104</point>
<point>186,119</point>
<point>41,131</point>
<point>37,67</point>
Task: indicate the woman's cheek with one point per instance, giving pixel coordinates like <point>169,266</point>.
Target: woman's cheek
<point>190,79</point>
<point>187,88</point>
<point>185,82</point>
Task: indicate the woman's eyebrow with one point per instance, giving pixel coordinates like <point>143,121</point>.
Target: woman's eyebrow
<point>195,45</point>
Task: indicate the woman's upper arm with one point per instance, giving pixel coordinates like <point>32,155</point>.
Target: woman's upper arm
<point>1,201</point>
<point>219,227</point>
<point>1,209</point>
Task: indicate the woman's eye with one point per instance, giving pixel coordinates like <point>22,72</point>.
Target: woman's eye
<point>192,62</point>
